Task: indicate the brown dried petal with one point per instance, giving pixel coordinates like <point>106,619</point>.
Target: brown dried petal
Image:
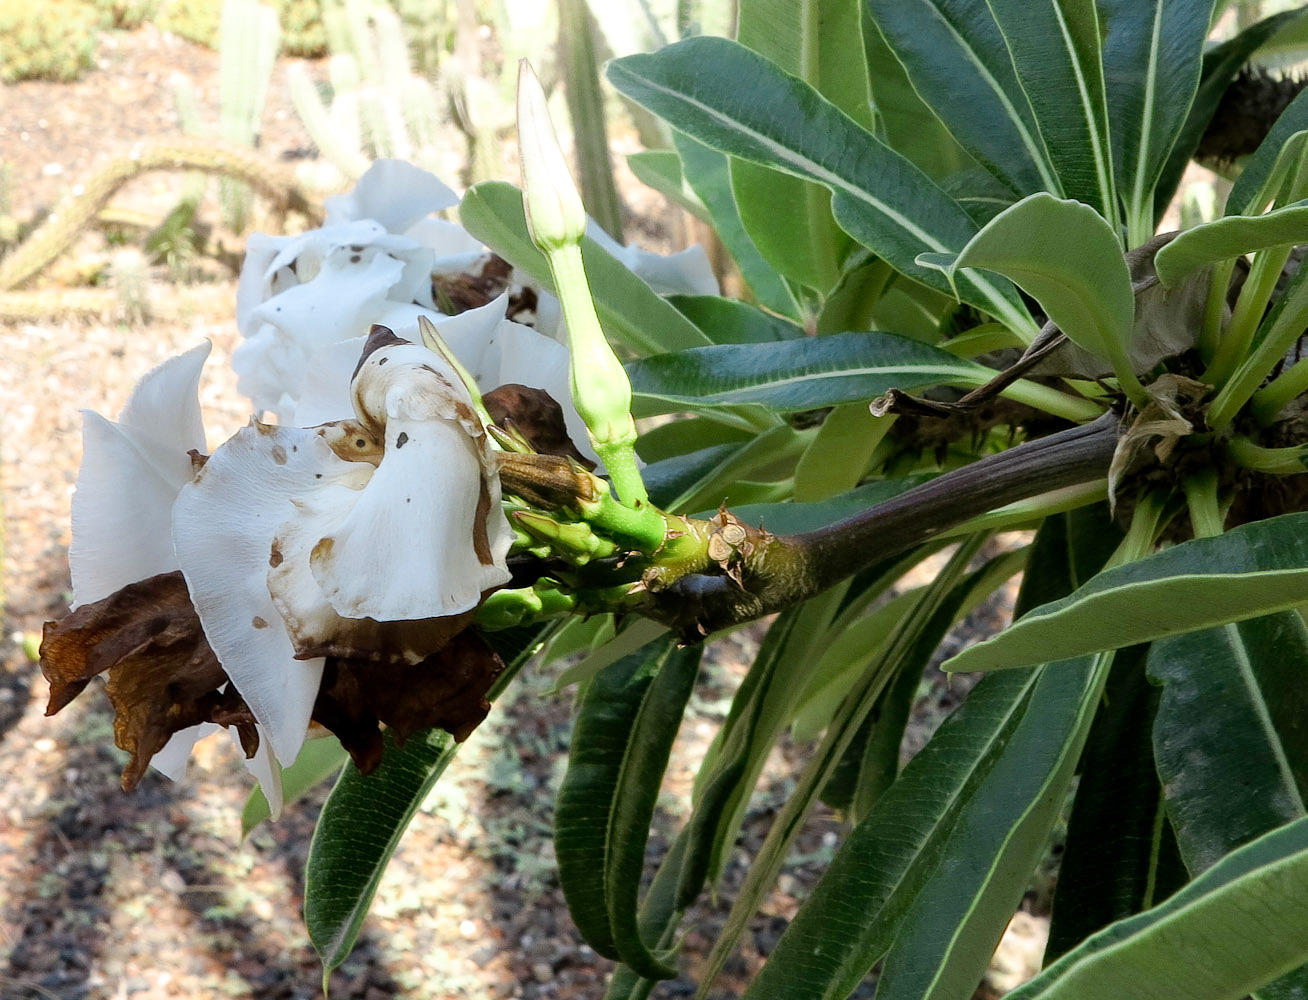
<point>536,414</point>
<point>446,690</point>
<point>163,677</point>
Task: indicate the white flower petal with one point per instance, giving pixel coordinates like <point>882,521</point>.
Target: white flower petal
<point>395,193</point>
<point>224,524</point>
<point>446,238</point>
<point>129,477</point>
<point>171,761</point>
<point>254,285</point>
<point>267,772</point>
<point>408,549</point>
<point>325,387</point>
<point>686,272</point>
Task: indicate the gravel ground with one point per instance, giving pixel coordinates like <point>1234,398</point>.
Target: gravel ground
<point>105,896</point>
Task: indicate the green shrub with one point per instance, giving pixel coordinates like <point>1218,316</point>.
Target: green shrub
<point>125,14</point>
<point>47,41</point>
<point>195,20</point>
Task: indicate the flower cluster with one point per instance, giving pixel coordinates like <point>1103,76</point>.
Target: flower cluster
<point>323,569</point>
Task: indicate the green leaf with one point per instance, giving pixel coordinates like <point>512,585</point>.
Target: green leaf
<point>637,633</point>
<point>1232,236</point>
<point>1055,49</point>
<point>660,169</point>
<point>1255,569</point>
<point>365,816</point>
<point>956,58</point>
<point>788,218</point>
<point>626,722</point>
<point>1065,255</point>
<point>1220,66</point>
<point>1238,926</point>
<point>708,173</point>
<point>360,826</point>
<point>946,938</point>
<point>795,374</point>
<point>1230,737</point>
<point>840,453</point>
<point>1121,856</point>
<point>730,321</point>
<point>318,761</point>
<point>855,912</point>
<point>675,438</point>
<point>1152,56</point>
<point>631,313</point>
<point>736,101</point>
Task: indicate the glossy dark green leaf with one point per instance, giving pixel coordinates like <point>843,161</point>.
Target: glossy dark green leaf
<point>855,913</point>
<point>626,722</point>
<point>1220,66</point>
<point>1240,925</point>
<point>903,120</point>
<point>671,477</point>
<point>632,314</point>
<point>661,170</point>
<point>1152,55</point>
<point>1252,570</point>
<point>1231,736</point>
<point>709,175</point>
<point>1055,45</point>
<point>731,321</point>
<point>1121,856</point>
<point>365,816</point>
<point>678,437</point>
<point>790,219</point>
<point>796,374</point>
<point>734,100</point>
<point>957,60</point>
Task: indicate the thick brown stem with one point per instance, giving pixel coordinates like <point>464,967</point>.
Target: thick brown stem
<point>788,569</point>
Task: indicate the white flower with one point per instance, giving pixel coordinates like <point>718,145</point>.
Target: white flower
<point>131,473</point>
<point>305,542</point>
<point>305,302</point>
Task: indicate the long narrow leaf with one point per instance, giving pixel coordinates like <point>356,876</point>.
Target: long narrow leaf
<point>1228,237</point>
<point>734,100</point>
<point>1252,570</point>
<point>956,58</point>
<point>1229,738</point>
<point>1152,57</point>
<point>1055,50</point>
<point>796,374</point>
<point>1240,925</point>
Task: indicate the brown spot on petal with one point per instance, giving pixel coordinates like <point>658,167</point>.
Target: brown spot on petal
<point>279,454</point>
<point>258,622</point>
<point>197,461</point>
<point>536,415</point>
<point>402,440</point>
<point>480,532</point>
<point>163,677</point>
<point>275,557</point>
<point>446,690</point>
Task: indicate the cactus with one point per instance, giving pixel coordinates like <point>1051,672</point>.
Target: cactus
<point>303,32</point>
<point>378,106</point>
<point>54,40</point>
<point>248,43</point>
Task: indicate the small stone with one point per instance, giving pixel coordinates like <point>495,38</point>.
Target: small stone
<point>542,972</point>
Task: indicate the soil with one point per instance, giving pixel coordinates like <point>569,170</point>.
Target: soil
<point>104,895</point>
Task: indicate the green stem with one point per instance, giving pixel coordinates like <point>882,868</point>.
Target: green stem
<point>1270,461</point>
<point>1205,507</point>
<point>1249,309</point>
<point>1268,401</point>
<point>1140,536</point>
<point>1214,311</point>
<point>1046,398</point>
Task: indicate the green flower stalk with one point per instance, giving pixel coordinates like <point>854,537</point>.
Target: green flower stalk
<point>556,220</point>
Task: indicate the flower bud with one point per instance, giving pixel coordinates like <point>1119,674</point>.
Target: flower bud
<point>555,214</point>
